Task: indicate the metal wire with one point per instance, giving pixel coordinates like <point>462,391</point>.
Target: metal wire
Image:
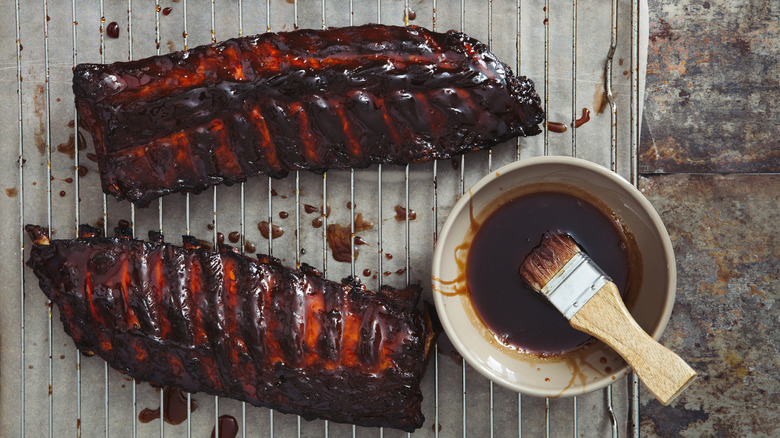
<point>185,36</point>
<point>214,219</point>
<point>435,239</point>
<point>242,218</point>
<point>20,163</point>
<point>132,206</point>
<point>106,398</point>
<point>608,84</point>
<point>634,175</point>
<point>611,411</point>
<point>270,206</point>
<point>48,199</point>
<point>76,187</point>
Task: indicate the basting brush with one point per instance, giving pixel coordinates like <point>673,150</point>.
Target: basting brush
<point>587,297</point>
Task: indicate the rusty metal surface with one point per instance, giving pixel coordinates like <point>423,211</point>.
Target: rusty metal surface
<point>726,315</point>
<point>713,83</point>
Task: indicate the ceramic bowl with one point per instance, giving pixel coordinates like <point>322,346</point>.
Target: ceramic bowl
<point>591,367</point>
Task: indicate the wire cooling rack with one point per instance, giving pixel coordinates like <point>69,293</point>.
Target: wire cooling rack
<point>588,55</point>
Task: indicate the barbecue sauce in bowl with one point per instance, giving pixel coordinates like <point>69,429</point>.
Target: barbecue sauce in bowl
<point>516,315</point>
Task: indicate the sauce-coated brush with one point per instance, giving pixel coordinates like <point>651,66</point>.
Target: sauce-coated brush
<point>587,297</point>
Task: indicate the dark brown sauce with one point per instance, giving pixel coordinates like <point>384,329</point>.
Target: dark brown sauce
<point>62,193</point>
<point>556,127</point>
<point>362,224</point>
<point>455,163</point>
<point>366,272</point>
<point>389,256</point>
<point>284,214</point>
<point>250,248</point>
<point>175,407</point>
<point>112,30</point>
<point>339,242</point>
<point>401,214</point>
<point>228,427</point>
<point>411,14</point>
<point>308,208</point>
<point>91,157</point>
<point>12,192</point>
<point>275,233</point>
<point>167,11</point>
<point>584,119</point>
<point>349,205</point>
<point>359,241</point>
<point>234,236</point>
<point>516,314</point>
<point>220,238</point>
<point>123,223</point>
<point>273,193</point>
<point>83,171</point>
<point>69,147</point>
<point>400,271</point>
<point>316,222</point>
<point>68,180</point>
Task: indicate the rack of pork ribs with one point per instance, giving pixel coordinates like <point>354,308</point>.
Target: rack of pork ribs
<point>304,100</point>
<point>216,321</point>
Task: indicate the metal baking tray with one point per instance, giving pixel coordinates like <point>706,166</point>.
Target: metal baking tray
<point>589,55</point>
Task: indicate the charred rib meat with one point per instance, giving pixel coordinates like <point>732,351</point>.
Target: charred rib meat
<point>303,100</point>
<point>228,325</point>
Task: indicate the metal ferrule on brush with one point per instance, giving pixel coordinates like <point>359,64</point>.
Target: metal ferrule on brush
<point>574,284</point>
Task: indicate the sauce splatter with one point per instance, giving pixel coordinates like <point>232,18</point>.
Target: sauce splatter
<point>316,222</point>
<point>250,248</point>
<point>276,231</point>
<point>339,238</point>
<point>112,30</point>
<point>175,407</point>
<point>584,119</point>
<point>234,236</point>
<point>556,127</point>
<point>12,192</point>
<point>228,427</point>
<point>167,11</point>
<point>284,214</point>
<point>401,214</point>
<point>308,208</point>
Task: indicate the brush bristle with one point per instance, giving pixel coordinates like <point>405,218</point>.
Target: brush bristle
<point>548,258</point>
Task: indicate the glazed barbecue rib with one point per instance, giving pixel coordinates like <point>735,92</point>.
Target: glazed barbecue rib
<point>252,330</point>
<point>303,100</point>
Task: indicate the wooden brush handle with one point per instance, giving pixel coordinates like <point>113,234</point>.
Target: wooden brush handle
<point>605,316</point>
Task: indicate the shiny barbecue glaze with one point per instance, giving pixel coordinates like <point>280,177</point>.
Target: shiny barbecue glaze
<point>252,330</point>
<point>303,100</point>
